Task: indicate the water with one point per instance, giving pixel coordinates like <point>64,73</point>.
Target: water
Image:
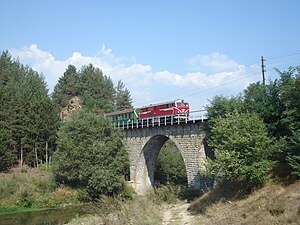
<point>44,217</point>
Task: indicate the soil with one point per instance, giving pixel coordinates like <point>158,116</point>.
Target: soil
<point>177,215</point>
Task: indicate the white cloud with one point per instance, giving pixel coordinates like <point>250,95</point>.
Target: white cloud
<point>202,80</point>
<point>146,85</point>
<point>170,78</point>
<point>106,51</point>
<point>216,62</point>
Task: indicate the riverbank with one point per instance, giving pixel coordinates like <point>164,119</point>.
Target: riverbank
<point>275,203</point>
<point>8,211</point>
<point>140,210</point>
<point>26,188</point>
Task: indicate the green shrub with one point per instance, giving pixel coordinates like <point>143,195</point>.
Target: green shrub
<point>35,189</point>
<point>170,167</point>
<point>26,199</point>
<point>166,193</point>
<point>90,155</point>
<point>243,149</point>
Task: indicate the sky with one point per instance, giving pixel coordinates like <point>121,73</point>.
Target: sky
<point>161,49</point>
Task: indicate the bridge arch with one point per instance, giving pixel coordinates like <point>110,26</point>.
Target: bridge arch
<point>147,161</point>
<point>144,145</point>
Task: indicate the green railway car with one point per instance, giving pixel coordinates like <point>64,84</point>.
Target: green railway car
<point>124,118</point>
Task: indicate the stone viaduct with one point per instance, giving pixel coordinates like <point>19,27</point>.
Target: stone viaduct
<point>145,143</point>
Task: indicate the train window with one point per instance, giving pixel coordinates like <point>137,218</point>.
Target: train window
<point>179,104</point>
<point>154,107</point>
<point>186,104</point>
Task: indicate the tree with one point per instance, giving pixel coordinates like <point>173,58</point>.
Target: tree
<point>67,87</point>
<point>25,105</point>
<point>266,102</point>
<point>243,150</point>
<point>220,106</point>
<point>90,155</point>
<point>170,167</point>
<point>123,99</point>
<point>290,95</point>
<point>97,90</point>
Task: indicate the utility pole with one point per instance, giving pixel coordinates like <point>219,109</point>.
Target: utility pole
<point>263,74</point>
<point>263,71</point>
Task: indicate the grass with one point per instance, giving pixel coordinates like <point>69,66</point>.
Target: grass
<point>275,203</point>
<point>32,188</point>
<point>6,211</point>
<point>111,211</point>
<point>146,210</point>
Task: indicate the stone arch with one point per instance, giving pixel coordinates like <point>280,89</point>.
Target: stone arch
<point>144,144</point>
<point>145,168</point>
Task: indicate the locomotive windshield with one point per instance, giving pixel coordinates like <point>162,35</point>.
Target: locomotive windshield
<point>182,104</point>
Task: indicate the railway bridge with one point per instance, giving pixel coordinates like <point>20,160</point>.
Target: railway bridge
<point>144,143</point>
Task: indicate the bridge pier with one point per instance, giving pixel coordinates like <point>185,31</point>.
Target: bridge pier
<point>144,145</point>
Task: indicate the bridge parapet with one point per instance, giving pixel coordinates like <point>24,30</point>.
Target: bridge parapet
<point>195,127</point>
<point>199,115</point>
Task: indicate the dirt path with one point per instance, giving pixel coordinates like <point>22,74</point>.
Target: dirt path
<point>177,215</point>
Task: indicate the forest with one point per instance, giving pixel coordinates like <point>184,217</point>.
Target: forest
<point>251,134</point>
<point>30,116</point>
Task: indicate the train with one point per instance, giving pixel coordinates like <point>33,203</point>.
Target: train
<point>161,113</point>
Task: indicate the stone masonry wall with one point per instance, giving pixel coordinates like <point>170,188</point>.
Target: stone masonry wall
<point>145,143</point>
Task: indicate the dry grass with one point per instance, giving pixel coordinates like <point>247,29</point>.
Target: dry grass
<point>228,191</point>
<point>140,211</point>
<point>272,204</point>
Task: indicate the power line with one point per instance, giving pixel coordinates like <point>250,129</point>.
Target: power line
<point>283,56</point>
<point>249,70</point>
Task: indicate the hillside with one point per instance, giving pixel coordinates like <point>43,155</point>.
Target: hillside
<point>275,203</point>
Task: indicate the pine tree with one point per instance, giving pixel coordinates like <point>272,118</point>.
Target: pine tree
<point>123,99</point>
<point>97,90</point>
<point>67,87</point>
<point>23,111</point>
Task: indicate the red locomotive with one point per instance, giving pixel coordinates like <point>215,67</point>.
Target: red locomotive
<point>167,113</point>
<point>179,109</point>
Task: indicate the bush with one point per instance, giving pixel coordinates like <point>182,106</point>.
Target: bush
<point>243,149</point>
<point>34,189</point>
<point>90,155</point>
<point>166,193</point>
<point>170,167</point>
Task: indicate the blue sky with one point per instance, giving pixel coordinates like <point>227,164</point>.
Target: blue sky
<point>161,50</point>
